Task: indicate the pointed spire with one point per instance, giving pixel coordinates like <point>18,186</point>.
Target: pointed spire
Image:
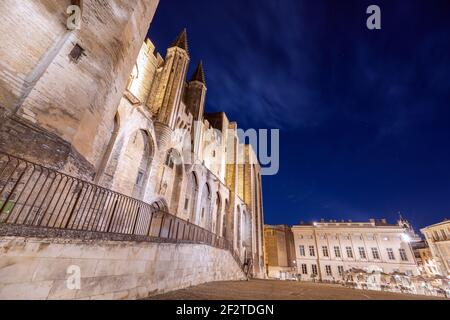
<point>199,74</point>
<point>181,41</point>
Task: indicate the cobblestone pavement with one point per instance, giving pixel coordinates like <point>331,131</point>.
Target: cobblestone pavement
<point>279,290</point>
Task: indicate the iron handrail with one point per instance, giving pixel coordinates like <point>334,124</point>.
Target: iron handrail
<point>36,196</point>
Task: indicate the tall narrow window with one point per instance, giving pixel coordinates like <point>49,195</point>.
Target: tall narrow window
<point>349,252</point>
<point>390,253</point>
<point>328,270</point>
<point>325,251</point>
<point>362,253</point>
<point>139,178</point>
<point>341,270</point>
<point>375,254</point>
<point>312,251</point>
<point>403,255</point>
<point>304,269</point>
<point>302,251</point>
<point>337,252</point>
<point>314,269</point>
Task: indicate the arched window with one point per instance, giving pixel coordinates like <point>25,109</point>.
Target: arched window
<point>218,214</point>
<point>225,218</point>
<point>190,203</point>
<point>205,214</point>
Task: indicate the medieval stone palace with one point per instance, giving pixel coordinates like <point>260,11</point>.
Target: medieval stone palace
<point>109,162</point>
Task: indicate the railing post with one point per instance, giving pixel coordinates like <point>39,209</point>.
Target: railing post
<point>13,190</point>
<point>89,203</point>
<point>136,221</point>
<point>112,215</point>
<point>170,229</point>
<point>150,223</point>
<point>161,226</point>
<point>74,207</point>
<point>178,228</point>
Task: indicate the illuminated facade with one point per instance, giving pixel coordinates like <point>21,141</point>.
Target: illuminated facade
<point>279,252</point>
<point>166,150</point>
<point>425,261</point>
<point>438,238</point>
<point>326,250</point>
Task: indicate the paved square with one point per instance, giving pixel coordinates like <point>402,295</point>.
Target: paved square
<point>280,290</point>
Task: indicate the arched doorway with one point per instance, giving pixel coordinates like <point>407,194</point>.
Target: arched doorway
<point>134,165</point>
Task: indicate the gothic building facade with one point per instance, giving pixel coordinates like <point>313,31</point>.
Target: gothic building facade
<point>79,102</point>
<point>166,150</point>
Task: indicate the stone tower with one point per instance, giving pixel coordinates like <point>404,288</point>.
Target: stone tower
<point>195,100</point>
<point>171,86</point>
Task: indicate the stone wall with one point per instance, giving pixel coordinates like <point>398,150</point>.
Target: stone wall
<point>34,268</point>
<point>76,100</point>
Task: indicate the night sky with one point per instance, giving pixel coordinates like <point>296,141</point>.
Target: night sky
<point>364,115</point>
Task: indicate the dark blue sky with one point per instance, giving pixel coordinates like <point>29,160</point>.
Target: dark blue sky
<point>364,115</point>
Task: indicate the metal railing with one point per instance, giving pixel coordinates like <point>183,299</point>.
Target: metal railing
<point>35,196</point>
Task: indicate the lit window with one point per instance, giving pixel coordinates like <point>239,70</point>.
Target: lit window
<point>302,251</point>
<point>375,254</point>
<point>325,251</point>
<point>349,252</point>
<point>390,253</point>
<point>328,270</point>
<point>312,251</point>
<point>362,253</point>
<point>337,252</point>
<point>403,255</point>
